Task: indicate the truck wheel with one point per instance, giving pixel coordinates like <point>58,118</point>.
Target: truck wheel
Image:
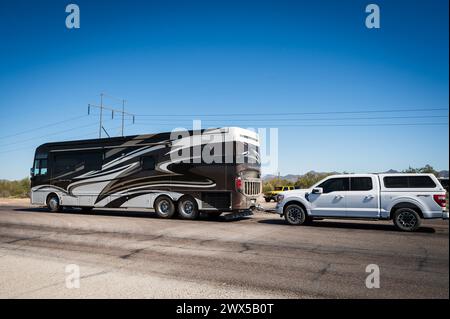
<point>164,207</point>
<point>53,203</point>
<point>187,208</point>
<point>267,199</point>
<point>295,214</point>
<point>406,219</point>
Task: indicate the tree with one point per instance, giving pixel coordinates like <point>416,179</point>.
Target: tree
<point>309,179</point>
<point>428,169</point>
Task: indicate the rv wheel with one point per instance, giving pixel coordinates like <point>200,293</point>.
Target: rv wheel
<point>187,208</point>
<point>53,203</point>
<point>164,207</point>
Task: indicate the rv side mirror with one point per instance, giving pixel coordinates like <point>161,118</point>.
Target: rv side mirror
<point>317,190</point>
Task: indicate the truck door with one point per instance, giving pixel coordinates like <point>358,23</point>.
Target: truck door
<point>362,198</point>
<point>332,202</point>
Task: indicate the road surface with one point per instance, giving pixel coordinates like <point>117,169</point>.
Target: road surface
<point>133,254</point>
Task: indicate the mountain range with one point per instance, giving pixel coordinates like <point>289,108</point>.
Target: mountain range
<point>294,177</point>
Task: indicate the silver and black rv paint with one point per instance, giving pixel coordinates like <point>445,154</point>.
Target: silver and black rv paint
<point>157,171</point>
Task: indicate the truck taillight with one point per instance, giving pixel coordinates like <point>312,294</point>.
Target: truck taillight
<point>238,183</point>
<point>440,199</point>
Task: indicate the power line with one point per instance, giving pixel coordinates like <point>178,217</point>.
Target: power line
<point>305,119</point>
<point>299,113</point>
<point>340,125</point>
<point>44,126</point>
<point>49,134</point>
<point>33,145</point>
<point>67,139</point>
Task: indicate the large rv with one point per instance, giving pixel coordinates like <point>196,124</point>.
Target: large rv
<point>174,173</point>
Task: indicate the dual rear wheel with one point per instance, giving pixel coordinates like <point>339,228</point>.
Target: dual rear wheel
<point>187,207</point>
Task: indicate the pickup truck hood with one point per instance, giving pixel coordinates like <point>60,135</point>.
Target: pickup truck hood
<point>296,192</point>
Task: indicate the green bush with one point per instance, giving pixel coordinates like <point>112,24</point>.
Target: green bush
<point>19,189</point>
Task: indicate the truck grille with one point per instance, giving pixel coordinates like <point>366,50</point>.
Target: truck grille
<point>252,187</point>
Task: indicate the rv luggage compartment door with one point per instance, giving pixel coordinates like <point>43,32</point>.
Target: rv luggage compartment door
<point>216,200</point>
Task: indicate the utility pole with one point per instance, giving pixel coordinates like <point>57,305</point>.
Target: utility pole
<point>123,114</point>
<point>103,107</point>
<point>101,115</point>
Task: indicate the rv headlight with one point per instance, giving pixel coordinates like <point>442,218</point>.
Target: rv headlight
<point>280,198</point>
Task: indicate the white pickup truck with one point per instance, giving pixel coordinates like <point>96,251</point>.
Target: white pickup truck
<point>404,198</point>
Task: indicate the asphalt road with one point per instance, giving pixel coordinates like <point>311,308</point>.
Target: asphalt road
<point>133,254</point>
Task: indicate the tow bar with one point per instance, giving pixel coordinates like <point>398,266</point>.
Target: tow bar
<point>261,209</point>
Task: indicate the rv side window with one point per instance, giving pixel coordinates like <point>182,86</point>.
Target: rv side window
<point>76,162</point>
<point>148,163</point>
<point>65,163</point>
<point>93,161</point>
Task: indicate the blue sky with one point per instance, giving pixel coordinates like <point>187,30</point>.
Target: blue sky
<point>267,58</point>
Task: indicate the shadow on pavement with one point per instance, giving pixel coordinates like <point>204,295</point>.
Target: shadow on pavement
<point>124,213</point>
<point>346,225</point>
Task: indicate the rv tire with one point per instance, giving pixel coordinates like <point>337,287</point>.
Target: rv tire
<point>187,208</point>
<point>164,207</point>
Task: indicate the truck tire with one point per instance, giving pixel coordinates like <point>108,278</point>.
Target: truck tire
<point>187,208</point>
<point>164,207</point>
<point>406,219</point>
<point>53,203</point>
<point>295,214</point>
<point>267,199</point>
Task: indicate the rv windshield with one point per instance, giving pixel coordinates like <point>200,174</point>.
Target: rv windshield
<point>40,165</point>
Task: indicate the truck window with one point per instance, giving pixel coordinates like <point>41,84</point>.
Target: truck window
<point>361,183</point>
<point>278,188</point>
<point>421,182</point>
<point>396,182</point>
<point>335,185</point>
<point>408,182</point>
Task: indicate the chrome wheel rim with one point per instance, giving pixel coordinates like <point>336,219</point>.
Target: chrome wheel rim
<point>407,220</point>
<point>188,207</point>
<point>294,215</point>
<point>164,206</point>
<point>53,203</point>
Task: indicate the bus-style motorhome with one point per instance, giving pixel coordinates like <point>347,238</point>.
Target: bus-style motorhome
<point>211,171</point>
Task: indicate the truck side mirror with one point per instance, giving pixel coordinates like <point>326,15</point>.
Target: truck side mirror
<point>32,172</point>
<point>317,190</point>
